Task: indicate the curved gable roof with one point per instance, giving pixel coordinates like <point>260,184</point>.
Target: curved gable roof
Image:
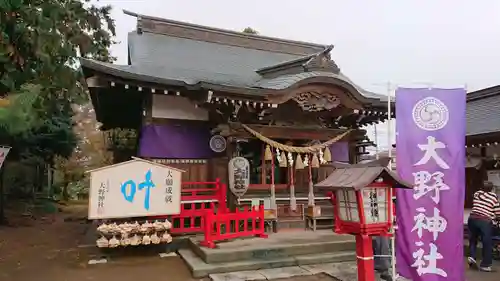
<point>178,60</point>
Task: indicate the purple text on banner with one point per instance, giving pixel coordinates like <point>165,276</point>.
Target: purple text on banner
<point>430,143</point>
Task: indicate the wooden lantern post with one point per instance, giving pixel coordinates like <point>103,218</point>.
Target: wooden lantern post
<point>361,195</point>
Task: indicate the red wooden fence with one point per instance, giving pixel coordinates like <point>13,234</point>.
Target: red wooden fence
<point>241,223</point>
<point>196,202</point>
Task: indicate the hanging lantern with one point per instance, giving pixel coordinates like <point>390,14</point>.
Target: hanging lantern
<point>315,161</point>
<point>327,155</point>
<point>268,154</point>
<point>299,165</point>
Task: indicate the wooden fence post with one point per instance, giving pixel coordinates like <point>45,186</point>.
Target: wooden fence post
<point>262,227</point>
<point>208,225</point>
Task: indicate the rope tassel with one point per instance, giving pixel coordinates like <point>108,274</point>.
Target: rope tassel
<point>327,155</point>
<point>268,155</point>
<point>283,160</point>
<point>299,165</point>
<point>315,161</point>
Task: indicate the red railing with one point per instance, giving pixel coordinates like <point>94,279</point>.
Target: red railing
<point>241,223</point>
<point>195,204</point>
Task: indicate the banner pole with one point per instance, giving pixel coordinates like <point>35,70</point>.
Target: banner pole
<point>389,125</point>
<point>389,142</point>
<point>376,141</point>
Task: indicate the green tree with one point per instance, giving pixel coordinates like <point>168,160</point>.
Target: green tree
<point>91,152</point>
<point>250,30</point>
<point>40,42</point>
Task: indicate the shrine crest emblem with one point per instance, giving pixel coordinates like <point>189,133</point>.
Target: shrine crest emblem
<point>430,114</point>
<point>217,143</point>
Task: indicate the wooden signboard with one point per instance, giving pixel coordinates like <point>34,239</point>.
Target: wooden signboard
<point>239,176</point>
<point>136,188</point>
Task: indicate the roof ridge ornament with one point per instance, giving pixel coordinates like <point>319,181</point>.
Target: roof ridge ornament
<point>322,61</point>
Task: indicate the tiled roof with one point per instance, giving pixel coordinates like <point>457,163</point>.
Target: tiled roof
<point>285,81</point>
<point>160,58</point>
<point>483,112</point>
<point>360,175</point>
<point>193,61</point>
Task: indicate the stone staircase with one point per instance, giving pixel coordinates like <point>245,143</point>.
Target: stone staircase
<point>279,250</point>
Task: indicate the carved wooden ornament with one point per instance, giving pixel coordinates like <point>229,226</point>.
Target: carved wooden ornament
<point>314,101</point>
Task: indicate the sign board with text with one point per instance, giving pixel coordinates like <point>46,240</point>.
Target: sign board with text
<point>136,188</point>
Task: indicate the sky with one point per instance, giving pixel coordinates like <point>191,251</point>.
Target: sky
<point>445,43</point>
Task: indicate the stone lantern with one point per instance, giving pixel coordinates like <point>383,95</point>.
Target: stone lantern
<point>362,198</point>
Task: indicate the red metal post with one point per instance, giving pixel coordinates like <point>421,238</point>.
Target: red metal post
<point>222,197</point>
<point>208,230</point>
<point>364,255</point>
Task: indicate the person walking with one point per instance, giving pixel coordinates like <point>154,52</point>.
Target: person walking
<point>485,209</point>
<point>382,257</point>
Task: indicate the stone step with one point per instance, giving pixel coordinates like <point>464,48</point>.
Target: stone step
<point>201,269</point>
<point>279,245</point>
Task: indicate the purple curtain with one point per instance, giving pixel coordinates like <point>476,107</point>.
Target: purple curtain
<point>178,140</point>
<point>340,151</point>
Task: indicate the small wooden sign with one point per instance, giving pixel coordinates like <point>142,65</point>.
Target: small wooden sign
<point>135,188</point>
<point>239,176</point>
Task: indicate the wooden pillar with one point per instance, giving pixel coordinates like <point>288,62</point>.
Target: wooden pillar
<point>263,170</point>
<point>364,257</point>
<point>231,199</point>
<point>310,196</point>
<point>273,187</point>
<point>484,174</point>
<point>353,153</point>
